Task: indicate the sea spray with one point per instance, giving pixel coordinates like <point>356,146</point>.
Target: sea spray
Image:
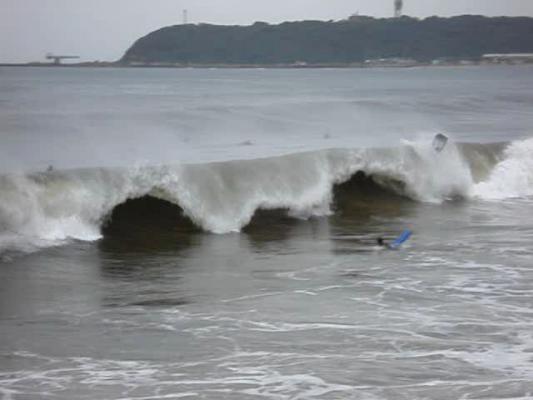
<point>512,177</point>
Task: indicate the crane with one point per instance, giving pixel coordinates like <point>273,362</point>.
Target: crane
<point>57,59</point>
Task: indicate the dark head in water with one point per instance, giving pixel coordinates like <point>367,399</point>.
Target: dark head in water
<point>439,142</point>
<point>380,241</point>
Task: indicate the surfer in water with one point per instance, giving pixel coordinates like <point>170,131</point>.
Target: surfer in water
<point>406,234</point>
<point>382,243</point>
<point>439,142</point>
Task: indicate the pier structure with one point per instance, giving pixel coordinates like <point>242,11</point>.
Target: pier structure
<point>56,60</point>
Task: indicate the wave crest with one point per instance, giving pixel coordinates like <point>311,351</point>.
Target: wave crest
<point>43,209</point>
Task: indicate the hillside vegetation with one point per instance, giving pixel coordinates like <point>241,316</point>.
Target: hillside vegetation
<point>350,41</point>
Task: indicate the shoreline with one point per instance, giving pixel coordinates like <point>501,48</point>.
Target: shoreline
<point>377,64</point>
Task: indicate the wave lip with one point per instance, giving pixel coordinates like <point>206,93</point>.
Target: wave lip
<point>47,208</point>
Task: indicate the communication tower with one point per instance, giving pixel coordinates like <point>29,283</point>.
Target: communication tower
<point>185,22</point>
<point>398,5</point>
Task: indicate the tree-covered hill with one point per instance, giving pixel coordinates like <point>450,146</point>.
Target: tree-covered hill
<point>350,41</point>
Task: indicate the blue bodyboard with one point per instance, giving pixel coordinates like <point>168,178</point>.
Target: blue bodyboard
<point>401,239</point>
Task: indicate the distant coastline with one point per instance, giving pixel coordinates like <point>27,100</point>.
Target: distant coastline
<point>357,42</point>
<point>382,64</point>
<point>95,64</point>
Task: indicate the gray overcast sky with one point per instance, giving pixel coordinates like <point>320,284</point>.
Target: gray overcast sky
<point>104,29</point>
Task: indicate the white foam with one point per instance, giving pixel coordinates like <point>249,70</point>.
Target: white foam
<point>512,177</point>
<point>513,359</point>
<point>432,176</point>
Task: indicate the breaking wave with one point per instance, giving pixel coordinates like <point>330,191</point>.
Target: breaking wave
<point>47,208</point>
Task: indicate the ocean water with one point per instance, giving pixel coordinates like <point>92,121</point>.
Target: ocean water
<point>211,234</point>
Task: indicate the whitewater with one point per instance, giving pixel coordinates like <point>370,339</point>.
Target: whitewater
<point>45,208</point>
<point>212,233</point>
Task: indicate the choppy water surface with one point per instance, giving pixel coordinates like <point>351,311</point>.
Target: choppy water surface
<point>261,278</point>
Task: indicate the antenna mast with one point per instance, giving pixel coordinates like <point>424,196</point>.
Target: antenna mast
<point>398,5</point>
<point>185,22</point>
